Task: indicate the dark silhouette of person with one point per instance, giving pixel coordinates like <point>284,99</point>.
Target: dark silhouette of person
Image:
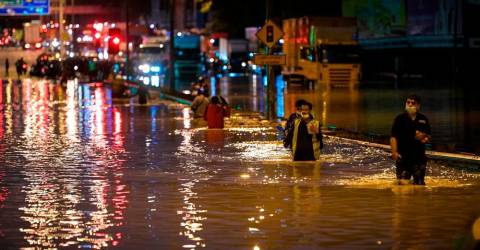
<point>143,94</point>
<point>19,65</point>
<point>7,66</point>
<point>410,132</point>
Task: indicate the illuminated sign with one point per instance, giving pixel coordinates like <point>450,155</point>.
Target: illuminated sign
<point>24,7</point>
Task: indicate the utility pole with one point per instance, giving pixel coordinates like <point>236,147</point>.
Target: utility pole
<point>127,41</point>
<point>61,29</point>
<point>172,46</point>
<point>271,102</point>
<point>455,45</point>
<point>73,15</point>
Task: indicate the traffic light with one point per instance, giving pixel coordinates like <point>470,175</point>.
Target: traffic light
<point>114,45</point>
<point>115,38</point>
<point>270,34</point>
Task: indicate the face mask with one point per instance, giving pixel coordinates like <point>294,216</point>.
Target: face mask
<point>411,109</point>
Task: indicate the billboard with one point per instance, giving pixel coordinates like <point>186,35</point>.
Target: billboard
<point>377,18</point>
<point>433,17</point>
<point>24,7</point>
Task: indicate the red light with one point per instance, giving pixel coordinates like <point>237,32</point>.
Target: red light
<point>97,35</point>
<point>116,40</point>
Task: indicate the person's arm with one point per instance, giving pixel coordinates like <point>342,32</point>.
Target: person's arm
<point>393,140</point>
<point>288,124</point>
<point>424,136</point>
<point>195,104</point>
<point>428,132</point>
<point>287,141</point>
<point>320,136</point>
<point>394,147</point>
<point>205,114</point>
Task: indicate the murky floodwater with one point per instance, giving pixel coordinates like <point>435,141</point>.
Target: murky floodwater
<point>79,170</point>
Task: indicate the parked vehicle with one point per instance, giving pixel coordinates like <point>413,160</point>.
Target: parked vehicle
<point>32,38</point>
<point>46,66</point>
<point>238,56</point>
<point>321,50</point>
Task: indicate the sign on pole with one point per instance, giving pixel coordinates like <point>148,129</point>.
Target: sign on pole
<point>270,33</point>
<point>269,59</point>
<point>24,7</point>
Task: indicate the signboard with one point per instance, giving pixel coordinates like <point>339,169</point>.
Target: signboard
<point>24,7</point>
<point>270,33</point>
<point>269,59</point>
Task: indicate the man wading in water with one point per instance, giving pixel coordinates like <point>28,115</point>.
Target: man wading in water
<point>410,133</point>
<point>304,136</point>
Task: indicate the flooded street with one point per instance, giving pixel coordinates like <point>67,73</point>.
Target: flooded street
<point>80,170</point>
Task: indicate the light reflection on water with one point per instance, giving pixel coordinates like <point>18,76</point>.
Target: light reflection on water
<point>68,200</point>
<point>80,171</point>
<point>192,214</point>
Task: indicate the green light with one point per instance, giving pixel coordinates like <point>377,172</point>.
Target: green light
<point>312,35</point>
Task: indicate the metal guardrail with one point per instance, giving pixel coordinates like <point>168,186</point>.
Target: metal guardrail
<point>434,155</point>
<point>434,41</point>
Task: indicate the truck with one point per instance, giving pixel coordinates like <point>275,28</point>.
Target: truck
<point>321,51</point>
<point>188,60</point>
<point>150,61</point>
<point>238,56</point>
<point>32,38</point>
<point>234,53</point>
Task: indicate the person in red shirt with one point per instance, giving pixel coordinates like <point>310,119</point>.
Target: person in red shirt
<point>215,113</point>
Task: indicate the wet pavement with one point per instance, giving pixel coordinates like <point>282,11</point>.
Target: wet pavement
<point>80,170</point>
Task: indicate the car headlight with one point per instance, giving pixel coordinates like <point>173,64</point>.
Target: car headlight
<point>145,68</point>
<point>155,69</point>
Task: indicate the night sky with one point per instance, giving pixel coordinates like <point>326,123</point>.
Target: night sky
<point>234,16</point>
